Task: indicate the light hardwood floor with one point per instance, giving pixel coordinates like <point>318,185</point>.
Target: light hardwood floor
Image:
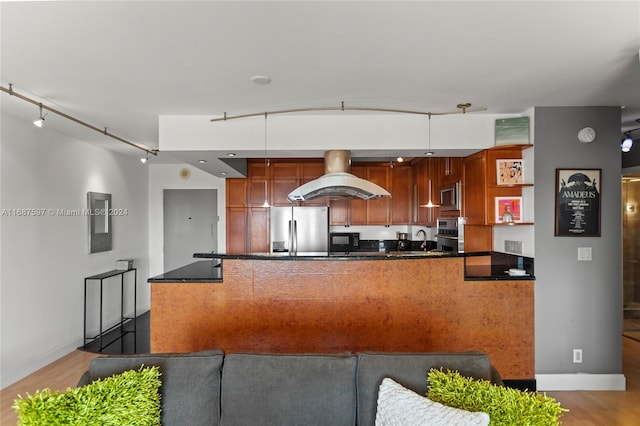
<point>597,408</point>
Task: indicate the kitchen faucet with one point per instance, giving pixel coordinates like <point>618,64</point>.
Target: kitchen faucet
<point>423,246</point>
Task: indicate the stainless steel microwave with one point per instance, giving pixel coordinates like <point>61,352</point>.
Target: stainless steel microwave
<point>451,197</point>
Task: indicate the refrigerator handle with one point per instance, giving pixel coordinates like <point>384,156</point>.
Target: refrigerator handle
<point>295,237</point>
<point>290,237</point>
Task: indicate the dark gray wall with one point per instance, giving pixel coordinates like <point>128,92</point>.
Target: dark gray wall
<point>578,304</point>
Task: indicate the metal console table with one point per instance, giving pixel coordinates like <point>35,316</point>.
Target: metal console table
<point>101,277</point>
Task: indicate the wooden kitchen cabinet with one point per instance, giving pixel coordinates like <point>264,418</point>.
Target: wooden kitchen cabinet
<point>236,192</point>
<point>402,210</point>
<point>378,210</point>
<point>450,170</point>
<point>247,230</point>
<point>257,192</point>
<point>481,190</point>
<point>480,183</point>
<point>236,230</point>
<point>426,187</point>
<point>280,190</point>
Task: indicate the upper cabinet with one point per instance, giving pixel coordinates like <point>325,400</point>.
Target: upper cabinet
<point>402,211</point>
<point>450,170</point>
<point>491,182</point>
<point>396,210</point>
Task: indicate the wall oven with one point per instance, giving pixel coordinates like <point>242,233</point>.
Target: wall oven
<point>451,197</point>
<point>450,234</point>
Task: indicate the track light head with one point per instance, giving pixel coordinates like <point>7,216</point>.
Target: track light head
<point>40,121</point>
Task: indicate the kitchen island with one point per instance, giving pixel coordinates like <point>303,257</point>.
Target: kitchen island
<point>267,303</point>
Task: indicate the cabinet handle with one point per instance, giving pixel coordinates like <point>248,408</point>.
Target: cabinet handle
<point>415,203</point>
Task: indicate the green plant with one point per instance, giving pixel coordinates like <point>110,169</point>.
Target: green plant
<point>505,406</point>
<point>130,398</point>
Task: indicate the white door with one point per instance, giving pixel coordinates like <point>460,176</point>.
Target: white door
<point>190,225</point>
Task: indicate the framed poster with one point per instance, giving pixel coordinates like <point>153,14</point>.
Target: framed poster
<point>509,172</point>
<point>508,210</point>
<point>577,207</point>
<point>513,130</point>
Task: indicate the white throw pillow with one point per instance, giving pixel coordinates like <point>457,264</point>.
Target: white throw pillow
<point>399,406</point>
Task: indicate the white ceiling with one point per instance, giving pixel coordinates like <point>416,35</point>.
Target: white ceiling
<point>121,64</point>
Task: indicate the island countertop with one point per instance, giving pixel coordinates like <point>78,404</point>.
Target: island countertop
<point>202,271</point>
<point>265,303</point>
<point>495,267</point>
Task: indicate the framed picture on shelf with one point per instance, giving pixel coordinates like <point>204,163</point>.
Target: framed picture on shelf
<point>578,202</point>
<point>509,172</point>
<point>508,210</point>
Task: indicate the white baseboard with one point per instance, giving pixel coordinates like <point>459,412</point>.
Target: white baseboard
<point>580,381</point>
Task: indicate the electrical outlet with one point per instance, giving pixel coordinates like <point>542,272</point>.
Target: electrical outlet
<point>513,246</point>
<point>577,356</point>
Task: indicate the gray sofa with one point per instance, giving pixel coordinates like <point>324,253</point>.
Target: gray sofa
<point>211,388</point>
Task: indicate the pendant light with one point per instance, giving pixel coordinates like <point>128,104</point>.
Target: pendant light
<point>429,153</point>
<point>266,165</point>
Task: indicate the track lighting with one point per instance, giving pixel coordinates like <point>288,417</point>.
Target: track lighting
<point>144,160</point>
<point>40,121</point>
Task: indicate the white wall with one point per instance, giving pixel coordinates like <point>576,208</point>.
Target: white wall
<point>317,133</point>
<point>44,259</point>
<point>167,176</point>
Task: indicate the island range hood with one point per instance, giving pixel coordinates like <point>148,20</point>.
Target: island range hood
<point>338,182</point>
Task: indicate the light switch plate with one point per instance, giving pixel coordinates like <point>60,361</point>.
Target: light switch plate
<point>584,253</point>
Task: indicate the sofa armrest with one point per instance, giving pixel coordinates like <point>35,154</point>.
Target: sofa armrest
<point>496,379</point>
<point>84,379</point>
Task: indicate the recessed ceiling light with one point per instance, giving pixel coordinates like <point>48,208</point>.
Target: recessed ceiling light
<point>231,154</point>
<point>223,173</point>
<point>202,161</point>
<point>261,79</point>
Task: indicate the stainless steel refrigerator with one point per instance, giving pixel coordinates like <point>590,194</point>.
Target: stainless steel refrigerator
<point>299,230</point>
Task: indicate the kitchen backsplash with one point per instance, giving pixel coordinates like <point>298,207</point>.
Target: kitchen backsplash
<point>387,233</point>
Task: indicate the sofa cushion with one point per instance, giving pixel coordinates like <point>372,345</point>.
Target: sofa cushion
<point>410,370</point>
<point>190,388</point>
<point>399,406</point>
<point>286,389</point>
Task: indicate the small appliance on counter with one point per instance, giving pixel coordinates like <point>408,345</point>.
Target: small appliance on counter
<point>404,244</point>
<point>344,242</point>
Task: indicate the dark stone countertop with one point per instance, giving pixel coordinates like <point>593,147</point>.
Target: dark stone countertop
<point>210,270</point>
<point>493,273</point>
<point>202,271</point>
<point>362,255</point>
